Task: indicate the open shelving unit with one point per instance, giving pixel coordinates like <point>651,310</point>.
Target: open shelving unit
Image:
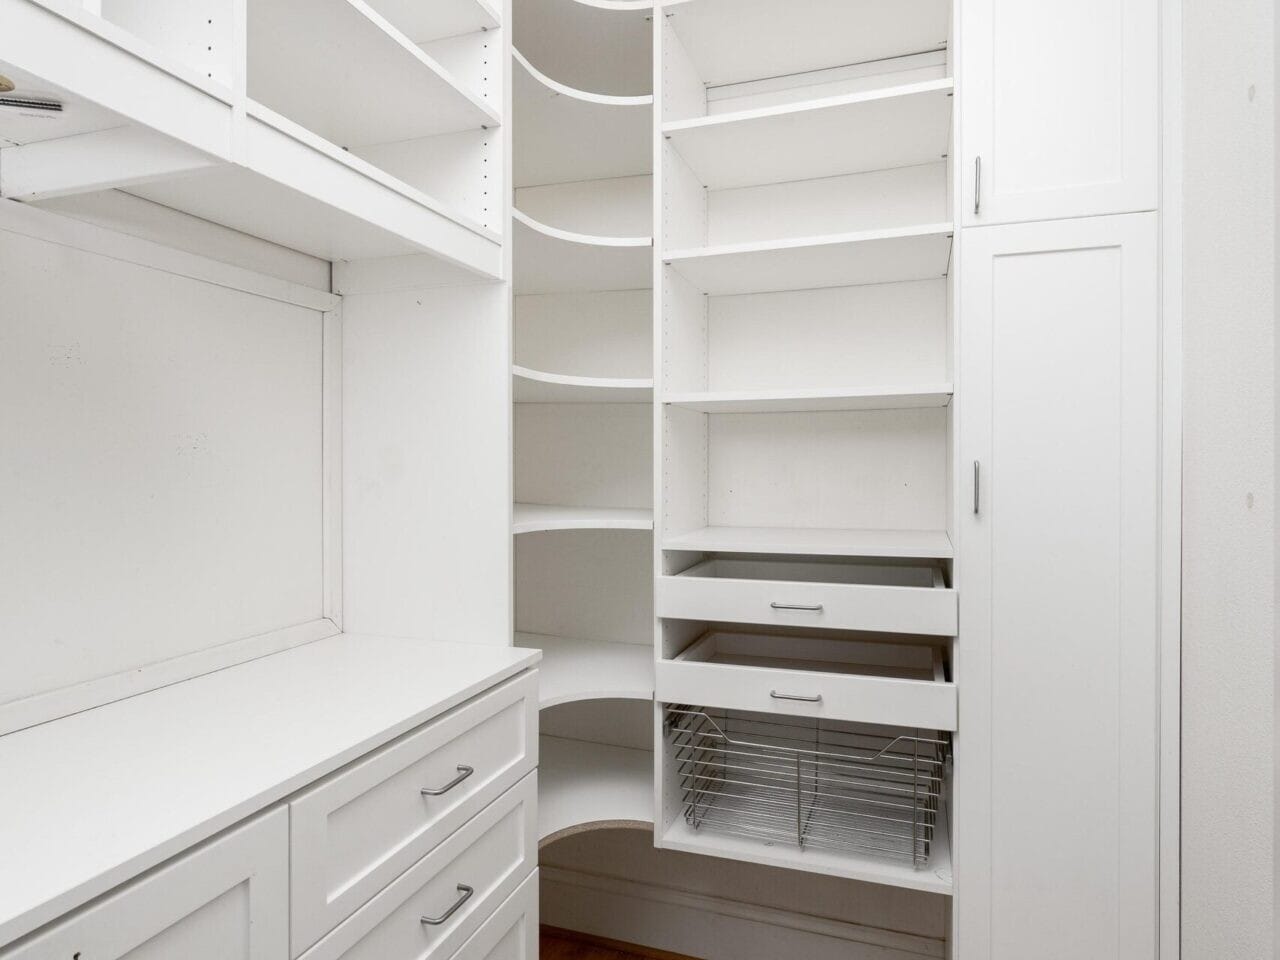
<point>572,670</point>
<point>584,786</point>
<point>287,180</point>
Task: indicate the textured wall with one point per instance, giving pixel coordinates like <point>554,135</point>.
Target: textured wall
<point>1229,479</point>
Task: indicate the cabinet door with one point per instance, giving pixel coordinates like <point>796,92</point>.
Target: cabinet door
<point>225,900</point>
<point>1059,107</point>
<point>1056,778</point>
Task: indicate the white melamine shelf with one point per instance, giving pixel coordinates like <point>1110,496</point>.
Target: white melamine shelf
<point>857,132</point>
<point>537,386</point>
<point>424,22</point>
<point>563,134</point>
<point>804,401</point>
<point>601,45</point>
<point>730,41</point>
<point>583,786</point>
<point>573,670</point>
<point>537,517</point>
<point>836,260</point>
<point>340,69</point>
<point>933,877</point>
<point>296,189</point>
<point>550,260</point>
<point>815,542</point>
<point>262,730</point>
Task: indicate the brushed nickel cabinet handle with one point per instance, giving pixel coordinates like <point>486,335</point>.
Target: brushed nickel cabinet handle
<point>795,696</point>
<point>463,773</point>
<point>466,895</point>
<point>811,607</point>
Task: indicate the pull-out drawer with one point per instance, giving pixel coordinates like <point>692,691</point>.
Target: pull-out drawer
<point>813,676</point>
<point>437,904</point>
<point>224,899</point>
<point>512,932</point>
<point>356,831</point>
<point>846,595</point>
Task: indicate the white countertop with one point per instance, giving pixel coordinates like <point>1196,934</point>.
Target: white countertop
<point>91,800</point>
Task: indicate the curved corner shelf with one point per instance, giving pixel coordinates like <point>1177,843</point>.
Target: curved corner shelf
<point>540,517</point>
<point>564,134</point>
<point>550,260</point>
<point>592,786</point>
<point>604,45</point>
<point>536,386</point>
<point>296,45</point>
<point>574,670</point>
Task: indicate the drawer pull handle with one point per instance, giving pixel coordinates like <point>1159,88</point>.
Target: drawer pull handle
<point>463,773</point>
<point>466,895</point>
<point>811,607</point>
<point>817,698</point>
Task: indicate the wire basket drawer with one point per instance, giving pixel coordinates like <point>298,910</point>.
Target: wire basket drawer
<point>863,789</point>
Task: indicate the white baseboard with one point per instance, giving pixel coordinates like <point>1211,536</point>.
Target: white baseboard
<point>713,928</point>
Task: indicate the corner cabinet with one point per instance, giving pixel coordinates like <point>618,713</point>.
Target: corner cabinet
<point>1060,109</point>
<point>1057,791</point>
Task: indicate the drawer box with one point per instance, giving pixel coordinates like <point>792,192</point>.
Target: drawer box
<point>876,597</point>
<point>812,676</point>
<point>226,898</point>
<point>359,829</point>
<point>431,910</point>
<point>512,932</point>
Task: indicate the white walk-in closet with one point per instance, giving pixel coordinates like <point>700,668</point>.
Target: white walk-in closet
<point>687,479</point>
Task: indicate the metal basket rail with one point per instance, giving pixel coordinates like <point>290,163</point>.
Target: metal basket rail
<point>855,788</point>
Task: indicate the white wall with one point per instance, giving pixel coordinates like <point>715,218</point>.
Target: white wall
<point>1229,479</point>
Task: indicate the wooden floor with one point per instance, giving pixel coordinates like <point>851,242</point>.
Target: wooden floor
<point>566,945</point>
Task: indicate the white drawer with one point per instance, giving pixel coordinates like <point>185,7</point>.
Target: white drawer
<point>512,932</point>
<point>359,829</point>
<point>813,676</point>
<point>844,595</point>
<point>224,900</point>
<point>437,904</point>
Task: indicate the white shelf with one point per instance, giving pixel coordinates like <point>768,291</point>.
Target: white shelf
<point>838,260</point>
<point>550,260</point>
<point>601,45</point>
<point>730,41</point>
<point>341,70</point>
<point>537,517</point>
<point>906,544</point>
<point>584,785</point>
<point>424,22</point>
<point>934,877</point>
<point>870,130</point>
<point>537,386</point>
<point>295,189</point>
<point>573,670</point>
<point>564,135</point>
<point>804,401</point>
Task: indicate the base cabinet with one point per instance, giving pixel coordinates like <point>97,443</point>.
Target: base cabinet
<point>226,900</point>
<point>1057,792</point>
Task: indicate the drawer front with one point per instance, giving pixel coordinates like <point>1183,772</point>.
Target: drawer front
<point>457,886</point>
<point>929,611</point>
<point>359,829</point>
<point>512,932</point>
<point>832,696</point>
<point>225,900</point>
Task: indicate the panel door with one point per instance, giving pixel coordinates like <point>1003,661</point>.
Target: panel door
<point>1056,776</point>
<point>226,900</point>
<point>1059,108</point>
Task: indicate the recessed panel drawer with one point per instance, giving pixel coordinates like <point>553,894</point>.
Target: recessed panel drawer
<point>432,909</point>
<point>356,831</point>
<point>512,932</point>
<point>813,676</point>
<point>877,597</point>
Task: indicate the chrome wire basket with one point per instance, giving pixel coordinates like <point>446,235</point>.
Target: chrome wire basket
<point>855,788</point>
